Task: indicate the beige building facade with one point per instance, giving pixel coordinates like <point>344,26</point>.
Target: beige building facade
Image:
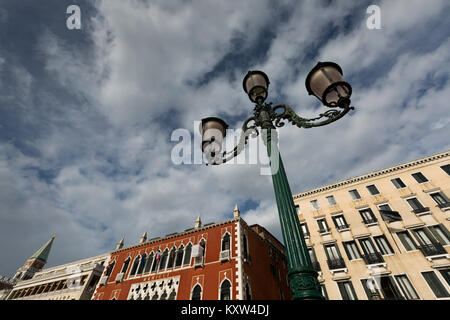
<point>73,281</point>
<point>382,235</point>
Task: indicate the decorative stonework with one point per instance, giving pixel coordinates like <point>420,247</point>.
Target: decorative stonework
<point>161,289</point>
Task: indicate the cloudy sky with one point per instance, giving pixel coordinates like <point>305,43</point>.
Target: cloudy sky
<point>86,116</point>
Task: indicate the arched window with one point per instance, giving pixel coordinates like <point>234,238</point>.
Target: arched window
<point>141,266</point>
<point>226,242</point>
<point>163,262</point>
<point>155,296</point>
<point>110,268</point>
<point>172,295</point>
<point>187,254</point>
<point>171,258</point>
<point>135,265</point>
<point>164,296</point>
<point>157,260</point>
<point>225,292</point>
<point>248,294</point>
<point>202,244</point>
<point>245,246</point>
<point>179,256</point>
<point>148,264</point>
<point>125,265</point>
<point>197,293</point>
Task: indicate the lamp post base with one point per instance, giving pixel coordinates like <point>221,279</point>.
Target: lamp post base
<point>304,284</point>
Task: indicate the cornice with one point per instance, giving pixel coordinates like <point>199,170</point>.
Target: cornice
<point>373,174</point>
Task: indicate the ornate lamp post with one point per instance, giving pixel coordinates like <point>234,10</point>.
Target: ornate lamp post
<point>326,82</point>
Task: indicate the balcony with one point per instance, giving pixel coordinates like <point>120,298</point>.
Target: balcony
<point>432,249</point>
<point>336,264</point>
<point>198,261</point>
<point>421,210</point>
<point>225,255</point>
<point>373,258</point>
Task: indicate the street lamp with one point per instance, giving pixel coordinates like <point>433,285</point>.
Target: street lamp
<point>326,82</point>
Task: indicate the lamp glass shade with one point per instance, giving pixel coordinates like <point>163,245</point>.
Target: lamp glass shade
<point>326,82</point>
<point>256,84</point>
<point>213,130</point>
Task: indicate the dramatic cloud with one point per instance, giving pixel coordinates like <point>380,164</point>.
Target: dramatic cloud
<point>87,116</point>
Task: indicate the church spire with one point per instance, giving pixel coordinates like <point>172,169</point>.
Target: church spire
<point>36,262</point>
<point>236,212</point>
<point>44,251</point>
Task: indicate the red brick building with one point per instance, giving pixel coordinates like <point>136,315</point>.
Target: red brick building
<point>216,261</point>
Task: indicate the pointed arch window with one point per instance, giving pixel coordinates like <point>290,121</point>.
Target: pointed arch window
<point>135,265</point>
<point>110,268</point>
<point>163,262</point>
<point>142,264</point>
<point>164,296</point>
<point>187,254</point>
<point>196,293</point>
<point>245,246</point>
<point>179,256</point>
<point>125,265</point>
<point>226,242</point>
<point>157,259</point>
<point>171,258</point>
<point>225,290</point>
<point>148,263</point>
<point>155,296</point>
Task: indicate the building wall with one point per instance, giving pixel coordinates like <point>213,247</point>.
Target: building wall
<point>401,262</point>
<point>210,276</point>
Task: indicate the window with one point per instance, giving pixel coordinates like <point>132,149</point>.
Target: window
<point>187,254</point>
<point>441,234</point>
<point>370,288</point>
<point>245,246</point>
<point>225,292</point>
<point>423,236</point>
<point>125,265</point>
<point>148,263</point>
<point>415,204</point>
<point>142,264</point>
<point>135,265</point>
<point>297,208</point>
<point>340,223</point>
<point>352,250</point>
<point>323,289</point>
<point>354,194</point>
<point>305,229</point>
<point>436,286</point>
<point>367,246</point>
<point>420,178</point>
<point>398,183</point>
<point>312,256</point>
<point>171,258</point>
<point>373,189</point>
<point>405,285</point>
<point>335,260</point>
<point>347,290</point>
<point>323,226</point>
<point>368,216</point>
<point>446,275</point>
<point>196,293</point>
<point>315,204</point>
<point>331,201</point>
<point>440,199</point>
<point>406,240</point>
<point>110,268</point>
<point>446,168</point>
<point>179,257</point>
<point>226,242</point>
<point>157,260</point>
<point>389,288</point>
<point>383,245</point>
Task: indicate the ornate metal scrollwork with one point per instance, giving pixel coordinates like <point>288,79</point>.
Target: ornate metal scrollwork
<point>290,115</point>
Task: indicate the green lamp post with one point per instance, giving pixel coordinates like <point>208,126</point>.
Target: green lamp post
<point>326,82</point>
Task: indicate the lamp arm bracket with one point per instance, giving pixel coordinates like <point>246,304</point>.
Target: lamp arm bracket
<point>287,113</point>
<point>247,131</point>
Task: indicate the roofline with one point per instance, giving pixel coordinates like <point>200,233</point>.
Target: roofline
<point>373,174</point>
